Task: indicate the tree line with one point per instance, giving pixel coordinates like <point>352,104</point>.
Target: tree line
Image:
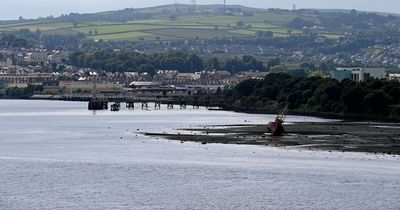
<point>25,92</point>
<point>28,39</point>
<point>140,62</point>
<point>372,98</point>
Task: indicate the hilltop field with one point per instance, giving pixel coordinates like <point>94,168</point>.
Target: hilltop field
<point>172,25</point>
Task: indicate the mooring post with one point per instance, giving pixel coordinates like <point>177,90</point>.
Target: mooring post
<point>196,105</point>
<point>157,105</point>
<point>115,107</point>
<point>130,104</point>
<point>105,104</point>
<point>222,104</point>
<point>183,105</point>
<point>170,105</point>
<point>145,105</point>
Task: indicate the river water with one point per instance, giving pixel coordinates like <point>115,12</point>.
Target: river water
<point>58,155</point>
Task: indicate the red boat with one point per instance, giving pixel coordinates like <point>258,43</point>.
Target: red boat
<point>276,127</point>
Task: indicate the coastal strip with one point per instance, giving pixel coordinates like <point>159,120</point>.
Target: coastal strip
<point>383,138</point>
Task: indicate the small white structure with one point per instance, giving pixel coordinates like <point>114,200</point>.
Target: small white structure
<point>394,77</point>
<point>87,86</point>
<point>144,84</point>
<point>6,63</point>
<point>185,76</point>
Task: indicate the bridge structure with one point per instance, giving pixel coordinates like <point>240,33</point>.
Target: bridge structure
<point>146,103</point>
<point>101,103</point>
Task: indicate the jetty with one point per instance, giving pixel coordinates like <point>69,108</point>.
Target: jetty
<point>147,103</point>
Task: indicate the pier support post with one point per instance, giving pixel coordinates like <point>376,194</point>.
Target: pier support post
<point>130,105</point>
<point>183,105</point>
<point>170,105</point>
<point>157,105</point>
<point>145,105</point>
<point>196,105</point>
<point>115,107</point>
<point>98,104</point>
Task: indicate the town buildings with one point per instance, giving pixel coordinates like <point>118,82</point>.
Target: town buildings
<point>25,78</point>
<point>7,62</point>
<point>20,56</point>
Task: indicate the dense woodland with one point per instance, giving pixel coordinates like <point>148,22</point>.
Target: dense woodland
<point>340,21</point>
<point>36,39</point>
<point>25,92</point>
<point>373,98</point>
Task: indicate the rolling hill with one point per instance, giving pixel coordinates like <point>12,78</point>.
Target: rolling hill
<point>168,22</point>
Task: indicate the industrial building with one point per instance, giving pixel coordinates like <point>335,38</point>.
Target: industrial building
<point>358,74</point>
<point>70,87</point>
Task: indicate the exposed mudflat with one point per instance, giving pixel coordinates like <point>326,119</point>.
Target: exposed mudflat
<point>338,136</point>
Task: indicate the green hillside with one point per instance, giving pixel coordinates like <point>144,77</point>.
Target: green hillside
<point>187,23</point>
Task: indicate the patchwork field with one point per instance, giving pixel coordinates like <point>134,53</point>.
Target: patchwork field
<point>190,33</point>
<point>42,26</point>
<point>185,27</point>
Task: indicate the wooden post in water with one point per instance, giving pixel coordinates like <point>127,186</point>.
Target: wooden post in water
<point>170,105</point>
<point>94,85</point>
<point>145,105</point>
<point>157,105</point>
<point>96,103</point>
<point>196,105</point>
<point>115,107</point>
<point>130,104</point>
<point>183,105</point>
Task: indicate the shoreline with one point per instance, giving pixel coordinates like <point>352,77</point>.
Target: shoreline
<point>344,136</point>
<point>338,116</point>
<point>345,117</point>
<point>377,138</point>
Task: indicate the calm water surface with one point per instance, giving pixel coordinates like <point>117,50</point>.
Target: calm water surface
<point>58,155</point>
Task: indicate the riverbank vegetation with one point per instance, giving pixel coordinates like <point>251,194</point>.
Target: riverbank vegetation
<point>315,95</point>
<point>21,92</point>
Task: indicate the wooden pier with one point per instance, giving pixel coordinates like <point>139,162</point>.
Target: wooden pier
<point>147,103</point>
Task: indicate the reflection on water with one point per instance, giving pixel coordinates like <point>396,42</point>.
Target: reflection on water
<point>56,154</point>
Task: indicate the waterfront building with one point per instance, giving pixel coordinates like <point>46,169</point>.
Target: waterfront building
<point>358,74</point>
<point>394,77</point>
<point>341,74</point>
<point>26,78</point>
<point>71,87</point>
<point>144,84</point>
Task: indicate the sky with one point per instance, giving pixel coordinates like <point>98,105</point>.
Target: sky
<point>12,9</point>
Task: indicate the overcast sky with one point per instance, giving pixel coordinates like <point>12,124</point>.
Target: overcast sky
<point>12,9</point>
